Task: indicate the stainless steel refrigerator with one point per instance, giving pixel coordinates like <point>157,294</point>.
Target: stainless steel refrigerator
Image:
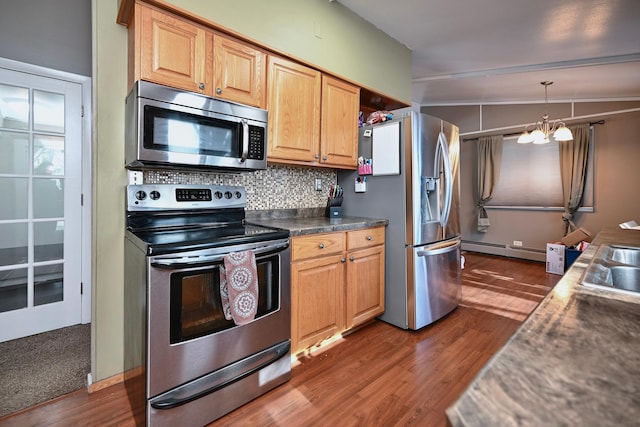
<point>414,182</point>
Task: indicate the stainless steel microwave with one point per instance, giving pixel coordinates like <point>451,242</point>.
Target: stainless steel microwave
<point>170,128</point>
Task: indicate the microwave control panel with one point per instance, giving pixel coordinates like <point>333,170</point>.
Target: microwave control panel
<point>256,143</point>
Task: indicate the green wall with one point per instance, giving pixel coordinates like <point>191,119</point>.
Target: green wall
<point>320,32</point>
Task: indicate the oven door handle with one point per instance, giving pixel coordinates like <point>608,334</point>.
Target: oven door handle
<point>204,260</point>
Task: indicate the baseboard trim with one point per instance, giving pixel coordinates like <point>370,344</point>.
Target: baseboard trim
<point>107,382</point>
<point>531,254</point>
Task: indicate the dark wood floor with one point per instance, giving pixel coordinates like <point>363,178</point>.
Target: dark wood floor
<point>377,376</point>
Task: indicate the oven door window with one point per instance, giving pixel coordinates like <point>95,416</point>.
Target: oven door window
<point>196,306</point>
<point>180,132</point>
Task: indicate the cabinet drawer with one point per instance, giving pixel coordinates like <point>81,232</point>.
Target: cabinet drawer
<point>315,245</point>
<point>365,238</point>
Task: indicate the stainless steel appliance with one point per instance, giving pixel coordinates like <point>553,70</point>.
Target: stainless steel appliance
<point>185,364</point>
<point>414,183</point>
<point>168,128</point>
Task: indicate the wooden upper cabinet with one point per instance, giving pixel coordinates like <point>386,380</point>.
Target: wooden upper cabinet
<point>293,102</point>
<point>313,118</point>
<point>339,123</point>
<point>240,73</point>
<point>172,51</point>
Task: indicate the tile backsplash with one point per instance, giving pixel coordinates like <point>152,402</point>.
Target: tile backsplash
<point>277,187</point>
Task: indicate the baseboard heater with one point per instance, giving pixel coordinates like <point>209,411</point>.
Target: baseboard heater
<point>521,252</point>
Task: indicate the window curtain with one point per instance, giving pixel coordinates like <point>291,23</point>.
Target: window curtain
<point>573,172</point>
<point>489,161</point>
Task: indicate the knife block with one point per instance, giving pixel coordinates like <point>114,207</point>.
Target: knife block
<point>334,211</point>
<point>334,207</point>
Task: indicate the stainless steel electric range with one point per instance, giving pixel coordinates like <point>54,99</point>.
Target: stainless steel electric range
<point>185,363</point>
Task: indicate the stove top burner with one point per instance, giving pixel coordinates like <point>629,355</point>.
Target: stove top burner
<point>180,239</point>
<point>191,217</point>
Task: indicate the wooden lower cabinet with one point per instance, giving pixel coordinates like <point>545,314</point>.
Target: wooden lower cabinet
<point>318,309</point>
<point>337,283</point>
<point>365,285</point>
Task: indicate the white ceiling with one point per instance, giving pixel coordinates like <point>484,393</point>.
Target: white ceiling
<point>488,51</point>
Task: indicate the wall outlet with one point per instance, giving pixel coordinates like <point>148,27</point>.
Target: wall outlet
<point>517,243</point>
<point>318,184</point>
<point>135,177</point>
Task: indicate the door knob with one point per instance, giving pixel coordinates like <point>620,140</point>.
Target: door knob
<point>218,91</point>
<point>201,86</point>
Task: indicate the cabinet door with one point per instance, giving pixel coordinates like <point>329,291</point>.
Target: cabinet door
<point>339,132</point>
<point>365,285</point>
<point>293,101</point>
<point>317,304</point>
<point>239,72</point>
<point>174,52</point>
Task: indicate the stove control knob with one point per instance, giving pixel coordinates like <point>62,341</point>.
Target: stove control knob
<point>238,195</point>
<point>155,195</point>
<point>141,195</point>
<point>218,194</point>
<point>228,195</point>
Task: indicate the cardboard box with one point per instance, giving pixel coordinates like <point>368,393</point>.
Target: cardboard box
<point>576,237</point>
<point>555,258</point>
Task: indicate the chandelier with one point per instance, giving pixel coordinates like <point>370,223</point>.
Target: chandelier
<point>545,127</point>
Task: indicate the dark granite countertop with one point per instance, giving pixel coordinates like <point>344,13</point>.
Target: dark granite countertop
<point>310,221</point>
<point>574,362</point>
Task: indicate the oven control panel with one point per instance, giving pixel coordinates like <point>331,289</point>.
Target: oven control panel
<point>187,196</point>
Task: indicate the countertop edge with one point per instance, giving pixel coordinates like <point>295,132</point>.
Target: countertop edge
<point>555,328</point>
<point>315,225</point>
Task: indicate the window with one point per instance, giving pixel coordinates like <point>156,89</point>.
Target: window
<point>530,177</point>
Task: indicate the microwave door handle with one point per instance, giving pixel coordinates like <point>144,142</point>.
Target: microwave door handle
<point>245,141</point>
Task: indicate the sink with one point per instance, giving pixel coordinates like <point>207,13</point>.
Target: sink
<point>626,255</point>
<point>625,277</point>
<point>615,268</point>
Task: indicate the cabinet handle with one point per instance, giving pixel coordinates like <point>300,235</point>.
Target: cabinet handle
<point>317,156</point>
<point>369,238</point>
<point>218,91</point>
<point>351,258</point>
<point>321,245</point>
<point>324,157</point>
<point>343,260</point>
<point>201,86</point>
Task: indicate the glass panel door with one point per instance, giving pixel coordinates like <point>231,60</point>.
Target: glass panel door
<point>40,221</point>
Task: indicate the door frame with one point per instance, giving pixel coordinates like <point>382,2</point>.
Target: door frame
<point>86,252</point>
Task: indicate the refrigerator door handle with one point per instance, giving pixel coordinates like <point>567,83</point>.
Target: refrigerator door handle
<point>443,151</point>
<point>439,248</point>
